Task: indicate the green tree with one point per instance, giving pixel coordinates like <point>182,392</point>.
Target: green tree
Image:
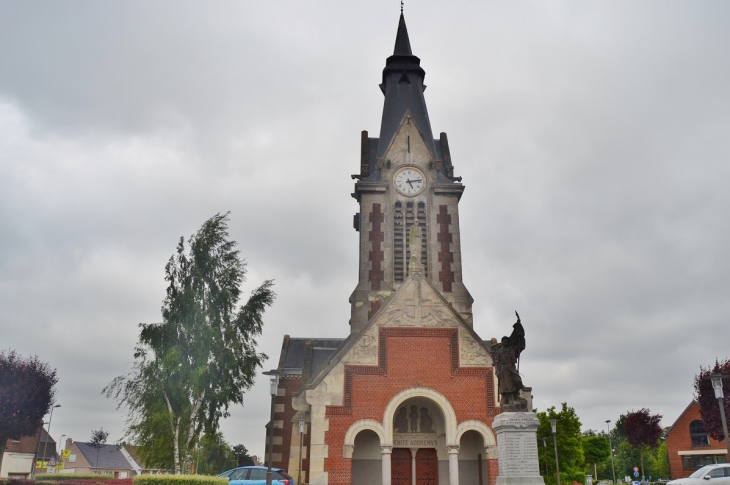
<point>569,441</point>
<point>643,432</point>
<point>214,455</point>
<point>596,451</point>
<point>191,367</point>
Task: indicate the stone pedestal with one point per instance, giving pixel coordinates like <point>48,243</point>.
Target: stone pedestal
<point>517,448</point>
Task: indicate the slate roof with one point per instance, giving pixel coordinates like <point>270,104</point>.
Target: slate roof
<point>109,456</point>
<point>306,355</point>
<point>403,89</point>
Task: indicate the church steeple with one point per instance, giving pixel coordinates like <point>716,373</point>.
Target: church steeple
<point>403,89</point>
<point>408,196</point>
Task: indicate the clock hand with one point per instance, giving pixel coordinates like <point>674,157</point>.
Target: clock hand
<point>409,182</point>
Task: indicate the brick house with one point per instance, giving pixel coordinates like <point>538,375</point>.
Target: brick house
<point>689,446</point>
<point>107,460</point>
<point>20,455</point>
<point>410,394</point>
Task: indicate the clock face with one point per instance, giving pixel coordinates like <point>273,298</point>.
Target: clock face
<point>409,181</point>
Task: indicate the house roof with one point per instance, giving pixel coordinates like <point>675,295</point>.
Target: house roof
<point>689,406</point>
<point>109,456</point>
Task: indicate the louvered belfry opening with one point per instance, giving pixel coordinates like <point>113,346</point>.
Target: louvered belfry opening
<point>404,216</point>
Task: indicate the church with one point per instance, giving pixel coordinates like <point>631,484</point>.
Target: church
<point>409,397</point>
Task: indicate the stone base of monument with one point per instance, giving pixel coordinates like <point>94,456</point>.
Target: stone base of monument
<point>517,448</point>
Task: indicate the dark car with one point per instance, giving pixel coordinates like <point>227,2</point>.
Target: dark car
<point>256,475</point>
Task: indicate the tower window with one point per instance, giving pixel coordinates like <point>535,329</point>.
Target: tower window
<point>403,218</point>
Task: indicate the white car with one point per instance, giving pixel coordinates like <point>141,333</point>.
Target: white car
<point>709,474</point>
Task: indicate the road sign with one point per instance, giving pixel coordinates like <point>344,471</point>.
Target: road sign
<point>66,453</point>
<point>636,474</point>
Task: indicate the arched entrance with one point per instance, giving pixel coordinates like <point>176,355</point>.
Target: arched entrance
<point>366,458</point>
<point>472,463</point>
<point>419,454</point>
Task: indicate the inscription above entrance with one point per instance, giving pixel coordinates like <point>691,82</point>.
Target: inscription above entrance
<point>415,440</point>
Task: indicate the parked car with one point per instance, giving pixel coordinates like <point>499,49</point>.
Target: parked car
<point>256,475</point>
<point>718,474</point>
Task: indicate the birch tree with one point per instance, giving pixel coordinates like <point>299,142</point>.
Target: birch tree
<point>201,358</point>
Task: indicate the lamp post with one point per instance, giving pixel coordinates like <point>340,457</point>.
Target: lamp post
<point>48,435</point>
<point>274,387</point>
<point>613,468</point>
<point>60,440</point>
<point>717,386</point>
<point>302,424</point>
<point>554,426</point>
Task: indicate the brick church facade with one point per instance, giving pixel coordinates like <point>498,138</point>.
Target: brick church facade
<point>410,395</point>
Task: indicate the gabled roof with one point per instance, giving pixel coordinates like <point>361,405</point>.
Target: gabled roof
<point>304,356</point>
<point>353,339</point>
<point>689,406</point>
<point>109,456</point>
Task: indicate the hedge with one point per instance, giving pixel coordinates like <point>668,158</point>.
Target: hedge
<point>63,477</point>
<point>179,480</point>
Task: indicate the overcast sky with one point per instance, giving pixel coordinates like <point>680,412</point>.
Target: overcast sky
<point>592,138</point>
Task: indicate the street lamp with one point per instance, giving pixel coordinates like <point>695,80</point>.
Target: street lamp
<point>717,386</point>
<point>60,440</point>
<point>274,387</point>
<point>613,468</point>
<point>554,426</point>
<point>302,425</point>
<point>48,434</point>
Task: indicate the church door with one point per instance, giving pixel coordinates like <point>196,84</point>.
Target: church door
<point>400,467</point>
<point>427,467</point>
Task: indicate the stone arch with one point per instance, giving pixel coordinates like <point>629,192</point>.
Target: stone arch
<point>479,427</point>
<point>355,428</point>
<point>436,397</point>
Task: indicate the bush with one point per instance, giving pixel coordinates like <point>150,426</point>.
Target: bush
<point>179,480</point>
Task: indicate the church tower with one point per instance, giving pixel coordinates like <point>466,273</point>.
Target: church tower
<point>406,177</point>
<point>410,395</point>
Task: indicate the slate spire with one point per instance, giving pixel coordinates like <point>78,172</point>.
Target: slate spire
<point>402,44</point>
<point>403,89</point>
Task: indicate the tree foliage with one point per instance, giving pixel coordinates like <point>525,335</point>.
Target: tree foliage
<point>596,449</point>
<point>705,396</point>
<point>643,431</point>
<point>569,442</point>
<point>97,441</point>
<point>27,392</point>
<point>242,456</point>
<point>200,359</point>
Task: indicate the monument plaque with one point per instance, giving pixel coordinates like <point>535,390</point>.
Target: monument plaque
<point>517,448</point>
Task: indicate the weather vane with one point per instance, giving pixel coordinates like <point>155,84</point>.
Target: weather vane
<point>401,6</point>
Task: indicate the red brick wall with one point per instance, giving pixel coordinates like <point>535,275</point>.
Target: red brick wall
<point>26,444</point>
<point>413,357</point>
<point>678,439</point>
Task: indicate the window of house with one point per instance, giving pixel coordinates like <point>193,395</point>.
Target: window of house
<point>692,462</point>
<point>72,458</point>
<point>698,434</point>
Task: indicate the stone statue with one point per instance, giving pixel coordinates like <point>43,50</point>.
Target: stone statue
<point>414,419</point>
<point>401,421</point>
<point>505,358</point>
<point>426,421</point>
